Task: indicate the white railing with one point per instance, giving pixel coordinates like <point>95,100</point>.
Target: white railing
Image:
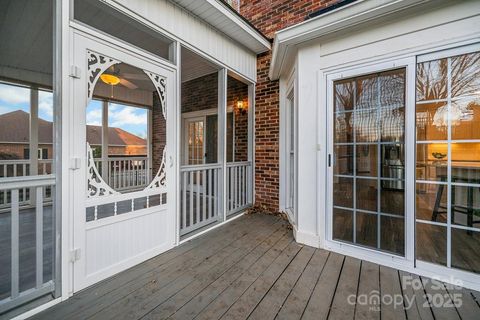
<point>33,280</point>
<point>21,168</point>
<point>126,173</point>
<point>199,196</point>
<point>239,186</point>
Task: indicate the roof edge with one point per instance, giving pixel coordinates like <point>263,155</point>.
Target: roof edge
<point>345,16</point>
<point>260,43</point>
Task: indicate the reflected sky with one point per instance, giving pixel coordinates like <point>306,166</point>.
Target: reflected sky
<point>14,98</point>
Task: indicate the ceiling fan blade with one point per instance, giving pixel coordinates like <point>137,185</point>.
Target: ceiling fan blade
<point>128,84</point>
<point>134,76</point>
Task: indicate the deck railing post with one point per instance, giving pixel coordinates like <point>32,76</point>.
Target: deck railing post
<point>222,145</point>
<point>251,144</point>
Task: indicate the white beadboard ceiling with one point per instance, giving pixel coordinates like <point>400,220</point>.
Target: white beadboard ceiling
<point>221,17</point>
<point>194,66</point>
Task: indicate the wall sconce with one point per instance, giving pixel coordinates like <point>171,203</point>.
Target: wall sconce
<point>241,106</point>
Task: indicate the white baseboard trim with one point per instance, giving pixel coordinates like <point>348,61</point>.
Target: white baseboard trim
<point>38,309</point>
<point>306,238</point>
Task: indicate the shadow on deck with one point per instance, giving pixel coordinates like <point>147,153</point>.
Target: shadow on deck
<point>252,268</point>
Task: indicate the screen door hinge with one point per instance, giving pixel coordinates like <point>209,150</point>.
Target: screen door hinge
<point>75,255</point>
<point>75,163</point>
<point>75,72</point>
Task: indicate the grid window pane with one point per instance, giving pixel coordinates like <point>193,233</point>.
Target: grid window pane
<point>447,110</point>
<point>369,113</point>
<point>431,243</point>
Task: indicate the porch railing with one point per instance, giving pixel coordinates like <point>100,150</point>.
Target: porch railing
<point>21,168</point>
<point>239,186</point>
<point>199,196</point>
<point>126,173</point>
<point>34,276</point>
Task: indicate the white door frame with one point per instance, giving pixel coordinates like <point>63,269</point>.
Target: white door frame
<point>81,43</point>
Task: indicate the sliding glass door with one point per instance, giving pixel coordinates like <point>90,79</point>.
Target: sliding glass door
<point>369,161</point>
<point>448,160</point>
<point>411,193</point>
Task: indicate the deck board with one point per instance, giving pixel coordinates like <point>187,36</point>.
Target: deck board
<point>252,268</point>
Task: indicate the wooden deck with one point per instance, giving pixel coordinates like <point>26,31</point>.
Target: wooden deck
<point>252,268</point>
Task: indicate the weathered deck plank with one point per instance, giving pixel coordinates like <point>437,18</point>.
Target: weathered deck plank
<point>347,285</point>
<point>319,305</point>
<point>297,300</point>
<point>276,296</point>
<point>252,268</point>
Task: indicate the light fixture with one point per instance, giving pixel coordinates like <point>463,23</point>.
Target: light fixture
<point>110,79</point>
<point>458,112</point>
<point>241,106</point>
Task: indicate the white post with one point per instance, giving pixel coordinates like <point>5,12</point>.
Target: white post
<point>33,153</point>
<point>105,142</point>
<point>251,144</point>
<point>222,132</point>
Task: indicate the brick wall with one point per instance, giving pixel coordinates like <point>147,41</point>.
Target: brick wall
<point>237,90</point>
<point>270,16</point>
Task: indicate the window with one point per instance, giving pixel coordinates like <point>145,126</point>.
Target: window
<point>291,142</point>
<point>448,161</point>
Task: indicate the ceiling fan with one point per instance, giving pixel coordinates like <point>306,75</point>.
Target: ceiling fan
<point>113,77</point>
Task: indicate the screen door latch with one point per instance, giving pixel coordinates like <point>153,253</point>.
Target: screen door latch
<point>329,160</point>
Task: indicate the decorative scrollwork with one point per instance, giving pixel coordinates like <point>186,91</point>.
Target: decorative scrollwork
<point>96,186</point>
<point>160,84</point>
<point>96,64</point>
<point>160,179</point>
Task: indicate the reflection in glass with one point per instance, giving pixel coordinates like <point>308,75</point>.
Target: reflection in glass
<point>431,202</point>
<point>366,194</point>
<point>465,208</point>
<point>366,125</point>
<point>366,229</point>
<point>432,161</point>
<point>344,160</point>
<point>392,123</point>
<point>431,243</point>
<point>367,160</point>
<point>344,93</point>
<point>465,166</point>
<point>431,80</point>
<point>467,127</point>
<point>343,127</point>
<point>466,250</point>
<point>342,224</point>
<point>465,74</point>
<point>393,163</point>
<point>375,114</point>
<point>342,192</point>
<point>392,201</point>
<point>392,237</point>
<point>428,122</point>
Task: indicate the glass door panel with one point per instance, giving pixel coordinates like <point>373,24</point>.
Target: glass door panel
<point>369,161</point>
<point>448,161</point>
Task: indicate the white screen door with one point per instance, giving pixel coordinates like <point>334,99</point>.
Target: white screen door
<point>124,138</point>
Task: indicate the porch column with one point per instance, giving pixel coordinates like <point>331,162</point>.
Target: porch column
<point>222,145</point>
<point>105,141</point>
<point>33,144</point>
<point>251,143</point>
